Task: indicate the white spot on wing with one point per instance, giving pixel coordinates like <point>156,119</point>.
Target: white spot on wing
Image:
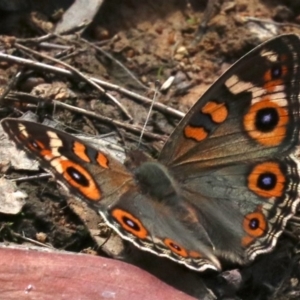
<point>279,98</point>
<point>56,164</point>
<point>22,129</point>
<point>55,143</point>
<point>269,55</point>
<point>236,86</point>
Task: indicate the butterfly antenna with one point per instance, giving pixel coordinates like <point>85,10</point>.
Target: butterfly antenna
<point>149,112</point>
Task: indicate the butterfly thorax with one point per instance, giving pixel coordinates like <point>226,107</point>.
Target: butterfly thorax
<point>155,180</point>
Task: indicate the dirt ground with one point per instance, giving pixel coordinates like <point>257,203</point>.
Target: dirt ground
<point>134,45</point>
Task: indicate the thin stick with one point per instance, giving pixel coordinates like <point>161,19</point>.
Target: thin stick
<point>30,240</point>
<point>258,20</point>
<point>36,40</point>
<point>147,119</point>
<point>79,74</point>
<point>132,128</point>
<point>33,177</point>
<point>42,66</point>
<point>116,62</point>
<point>9,86</point>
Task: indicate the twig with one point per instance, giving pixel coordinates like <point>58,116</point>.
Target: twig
<point>132,128</point>
<point>33,177</point>
<point>79,74</point>
<point>211,7</point>
<point>30,240</point>
<point>37,40</point>
<point>9,86</point>
<point>48,45</point>
<point>159,106</point>
<point>258,20</point>
<point>34,64</point>
<point>76,30</point>
<point>38,65</point>
<point>148,117</point>
<point>63,56</point>
<point>116,62</point>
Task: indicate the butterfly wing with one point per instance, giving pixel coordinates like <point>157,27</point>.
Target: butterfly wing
<point>231,181</point>
<point>153,226</point>
<point>106,185</point>
<point>67,157</point>
<point>244,207</point>
<point>233,154</point>
<point>250,112</point>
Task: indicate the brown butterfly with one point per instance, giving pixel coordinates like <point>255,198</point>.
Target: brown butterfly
<point>226,181</point>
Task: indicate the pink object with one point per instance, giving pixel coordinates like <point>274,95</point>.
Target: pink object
<point>31,274</point>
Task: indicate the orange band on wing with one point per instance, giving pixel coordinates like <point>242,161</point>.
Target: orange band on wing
<point>102,160</point>
<point>195,254</point>
<point>217,111</point>
<point>79,150</point>
<point>197,133</point>
<point>247,240</point>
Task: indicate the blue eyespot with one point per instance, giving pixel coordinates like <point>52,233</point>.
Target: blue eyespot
<point>254,223</point>
<point>77,176</point>
<point>266,119</point>
<point>276,72</point>
<point>267,181</point>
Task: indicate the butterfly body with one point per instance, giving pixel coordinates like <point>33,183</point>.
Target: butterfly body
<point>226,181</point>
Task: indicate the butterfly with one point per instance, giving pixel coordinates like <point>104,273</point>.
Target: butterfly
<point>226,181</point>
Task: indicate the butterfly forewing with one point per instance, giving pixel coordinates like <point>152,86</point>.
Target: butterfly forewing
<point>106,185</point>
<point>250,112</point>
